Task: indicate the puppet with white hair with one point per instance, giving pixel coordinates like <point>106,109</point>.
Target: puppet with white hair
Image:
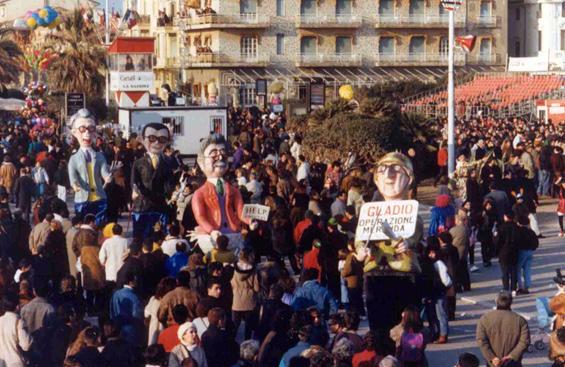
<point>88,169</point>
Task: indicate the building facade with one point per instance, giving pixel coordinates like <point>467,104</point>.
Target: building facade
<point>232,43</point>
<point>536,28</point>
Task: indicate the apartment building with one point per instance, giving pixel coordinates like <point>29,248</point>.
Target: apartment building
<point>12,9</point>
<point>537,28</point>
<point>232,43</point>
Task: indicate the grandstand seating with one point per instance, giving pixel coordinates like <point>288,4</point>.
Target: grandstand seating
<point>497,91</point>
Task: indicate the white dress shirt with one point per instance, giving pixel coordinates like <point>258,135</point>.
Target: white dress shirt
<point>111,255</point>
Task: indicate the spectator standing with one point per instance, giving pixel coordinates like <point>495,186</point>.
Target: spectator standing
<point>14,337</point>
<point>502,334</point>
<point>508,252</point>
<point>112,254</point>
<point>527,244</point>
<point>188,347</point>
<point>245,286</point>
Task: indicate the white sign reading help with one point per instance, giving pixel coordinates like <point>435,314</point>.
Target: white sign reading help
<point>256,211</point>
<point>401,216</point>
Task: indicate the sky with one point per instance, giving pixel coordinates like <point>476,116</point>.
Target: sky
<point>116,4</point>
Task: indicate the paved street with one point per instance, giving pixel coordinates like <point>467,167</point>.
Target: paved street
<point>486,284</point>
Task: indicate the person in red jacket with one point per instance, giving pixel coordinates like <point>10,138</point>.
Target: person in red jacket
<point>441,161</point>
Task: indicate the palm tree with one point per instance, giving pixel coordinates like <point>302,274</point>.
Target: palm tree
<point>10,60</point>
<point>81,62</point>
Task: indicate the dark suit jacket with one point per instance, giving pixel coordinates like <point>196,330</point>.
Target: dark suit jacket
<point>154,185</point>
<point>24,190</point>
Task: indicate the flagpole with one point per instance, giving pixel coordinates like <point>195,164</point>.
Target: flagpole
<point>107,43</point>
<point>451,98</point>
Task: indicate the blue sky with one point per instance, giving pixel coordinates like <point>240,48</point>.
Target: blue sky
<point>116,4</point>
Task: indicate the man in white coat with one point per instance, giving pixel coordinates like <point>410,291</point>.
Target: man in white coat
<point>13,334</point>
<point>112,253</point>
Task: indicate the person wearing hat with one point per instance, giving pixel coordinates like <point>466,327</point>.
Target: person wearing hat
<point>390,285</point>
<point>189,347</point>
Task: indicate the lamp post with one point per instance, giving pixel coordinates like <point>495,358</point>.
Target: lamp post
<point>107,43</point>
<point>451,6</point>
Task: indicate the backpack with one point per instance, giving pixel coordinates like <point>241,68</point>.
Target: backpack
<point>412,347</point>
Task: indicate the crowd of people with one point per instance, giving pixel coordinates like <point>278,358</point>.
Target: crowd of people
<point>76,294</point>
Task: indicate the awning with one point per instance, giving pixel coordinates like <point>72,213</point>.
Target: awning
<point>357,76</point>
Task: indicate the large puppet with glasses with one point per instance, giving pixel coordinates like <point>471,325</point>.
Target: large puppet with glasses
<point>88,170</point>
<point>152,181</point>
<point>217,205</point>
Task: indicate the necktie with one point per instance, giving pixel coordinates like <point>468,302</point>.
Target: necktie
<point>154,161</point>
<point>220,187</point>
<point>88,157</point>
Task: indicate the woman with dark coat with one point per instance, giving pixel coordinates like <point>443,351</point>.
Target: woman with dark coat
<point>56,252</point>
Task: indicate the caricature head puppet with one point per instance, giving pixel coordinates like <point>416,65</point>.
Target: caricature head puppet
<point>155,137</point>
<point>83,127</point>
<point>213,156</point>
<point>394,175</point>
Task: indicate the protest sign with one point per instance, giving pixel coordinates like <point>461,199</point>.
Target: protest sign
<point>400,215</point>
<point>256,211</point>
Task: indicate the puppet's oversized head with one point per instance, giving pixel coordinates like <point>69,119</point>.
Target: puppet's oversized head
<point>213,156</point>
<point>155,137</point>
<point>83,127</point>
<point>394,175</point>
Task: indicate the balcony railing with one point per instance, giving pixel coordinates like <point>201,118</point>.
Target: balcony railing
<point>144,20</point>
<point>416,59</point>
<point>167,62</point>
<point>208,21</point>
<point>418,20</point>
<point>213,59</point>
<point>484,59</point>
<point>325,21</point>
<point>488,21</point>
<point>315,60</point>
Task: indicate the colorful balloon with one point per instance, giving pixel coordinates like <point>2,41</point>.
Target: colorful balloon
<point>20,24</point>
<point>43,13</point>
<point>346,92</point>
<point>31,23</point>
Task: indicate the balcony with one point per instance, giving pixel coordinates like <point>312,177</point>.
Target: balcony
<point>221,21</point>
<point>416,59</point>
<point>144,21</point>
<point>418,20</point>
<point>167,63</point>
<point>329,60</point>
<point>484,59</point>
<point>338,21</point>
<point>488,21</point>
<point>217,60</point>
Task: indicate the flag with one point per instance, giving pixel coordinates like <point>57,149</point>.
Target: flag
<point>130,19</point>
<point>451,5</point>
<point>467,43</point>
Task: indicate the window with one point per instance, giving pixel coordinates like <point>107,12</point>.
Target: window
<point>417,46</point>
<point>484,52</point>
<point>442,11</point>
<point>562,10</point>
<point>248,47</point>
<point>308,45</point>
<point>280,44</point>
<point>308,8</point>
<point>248,6</point>
<point>563,40</point>
<point>2,11</point>
<point>386,45</point>
<point>417,8</point>
<point>247,94</point>
<point>217,124</point>
<point>386,7</point>
<point>517,48</point>
<point>539,40</point>
<point>176,123</point>
<point>343,8</point>
<point>517,13</point>
<point>343,45</point>
<point>280,8</point>
<point>444,47</point>
<point>485,9</point>
<point>539,10</point>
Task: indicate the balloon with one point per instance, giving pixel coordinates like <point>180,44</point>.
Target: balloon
<point>43,13</point>
<point>57,21</point>
<point>31,23</point>
<point>346,92</point>
<point>20,24</point>
<point>40,21</point>
<point>28,14</point>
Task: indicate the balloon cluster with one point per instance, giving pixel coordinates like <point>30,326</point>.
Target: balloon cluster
<point>44,17</point>
<point>35,110</point>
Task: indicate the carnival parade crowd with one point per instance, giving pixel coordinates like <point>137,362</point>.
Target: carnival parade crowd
<point>78,292</point>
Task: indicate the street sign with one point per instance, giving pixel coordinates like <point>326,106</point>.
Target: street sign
<point>451,5</point>
<point>74,102</point>
<point>261,87</point>
<point>400,217</point>
<point>317,95</point>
